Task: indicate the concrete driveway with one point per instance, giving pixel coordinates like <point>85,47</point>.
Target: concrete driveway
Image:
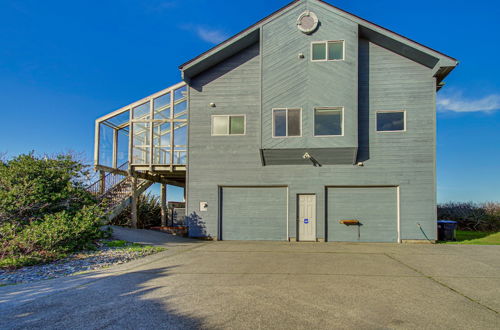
<point>272,285</point>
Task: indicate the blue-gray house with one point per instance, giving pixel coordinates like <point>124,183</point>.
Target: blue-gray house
<point>312,125</point>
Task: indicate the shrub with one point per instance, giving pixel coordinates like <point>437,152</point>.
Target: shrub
<point>32,187</point>
<point>148,213</point>
<point>45,211</point>
<point>51,237</point>
<point>472,216</point>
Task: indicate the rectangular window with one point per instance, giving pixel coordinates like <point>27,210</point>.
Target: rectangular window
<point>328,121</point>
<point>391,121</point>
<point>327,50</point>
<point>287,122</point>
<point>228,125</point>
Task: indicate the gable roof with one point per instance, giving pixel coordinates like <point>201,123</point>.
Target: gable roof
<point>371,31</point>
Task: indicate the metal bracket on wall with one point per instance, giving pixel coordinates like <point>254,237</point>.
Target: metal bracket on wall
<point>352,222</point>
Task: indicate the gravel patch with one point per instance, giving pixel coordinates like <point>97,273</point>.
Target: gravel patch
<point>103,257</point>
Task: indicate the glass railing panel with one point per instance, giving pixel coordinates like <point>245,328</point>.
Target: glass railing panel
<point>123,146</point>
<point>180,134</point>
<point>161,143</point>
<point>161,155</point>
<point>141,142</point>
<point>140,155</point>
<point>105,145</point>
<point>161,134</point>
<point>180,156</point>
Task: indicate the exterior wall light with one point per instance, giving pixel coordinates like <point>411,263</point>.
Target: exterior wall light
<point>212,105</point>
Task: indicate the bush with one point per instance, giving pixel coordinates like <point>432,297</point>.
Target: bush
<point>148,213</point>
<point>51,237</point>
<point>45,211</point>
<point>32,187</point>
<point>472,216</point>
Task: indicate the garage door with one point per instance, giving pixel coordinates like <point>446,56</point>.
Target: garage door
<point>374,207</point>
<point>254,213</point>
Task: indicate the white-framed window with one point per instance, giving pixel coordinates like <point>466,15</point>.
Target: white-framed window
<point>223,125</point>
<point>329,121</point>
<point>287,122</point>
<point>391,121</point>
<point>333,50</point>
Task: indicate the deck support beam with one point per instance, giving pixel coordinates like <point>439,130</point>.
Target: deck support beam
<point>134,202</point>
<point>163,205</point>
<point>115,148</point>
<point>176,181</point>
<point>102,182</point>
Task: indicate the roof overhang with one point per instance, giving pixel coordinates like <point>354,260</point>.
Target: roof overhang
<point>398,47</point>
<point>440,63</point>
<point>234,44</point>
<point>219,54</point>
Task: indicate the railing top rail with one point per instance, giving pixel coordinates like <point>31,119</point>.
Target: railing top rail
<point>110,180</point>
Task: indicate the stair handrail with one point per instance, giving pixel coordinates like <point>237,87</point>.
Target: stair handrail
<point>111,180</point>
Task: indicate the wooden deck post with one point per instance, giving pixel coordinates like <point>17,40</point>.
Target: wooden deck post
<point>115,148</point>
<point>102,182</point>
<point>163,205</point>
<point>134,202</point>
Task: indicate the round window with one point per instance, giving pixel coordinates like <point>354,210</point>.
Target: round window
<point>307,22</point>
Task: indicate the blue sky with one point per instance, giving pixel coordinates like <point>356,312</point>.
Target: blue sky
<point>65,63</point>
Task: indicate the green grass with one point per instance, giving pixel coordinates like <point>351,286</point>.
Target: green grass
<point>153,249</point>
<point>18,262</point>
<point>476,238</point>
<point>14,262</point>
<point>119,244</point>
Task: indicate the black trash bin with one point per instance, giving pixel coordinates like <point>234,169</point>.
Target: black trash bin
<point>447,230</point>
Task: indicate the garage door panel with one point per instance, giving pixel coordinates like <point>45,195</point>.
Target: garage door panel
<point>374,207</point>
<point>254,213</point>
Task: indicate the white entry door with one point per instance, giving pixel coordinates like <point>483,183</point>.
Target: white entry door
<point>307,217</point>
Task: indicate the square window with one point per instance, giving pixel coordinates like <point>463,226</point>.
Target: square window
<point>220,125</point>
<point>390,121</point>
<point>237,125</point>
<point>328,121</point>
<point>335,50</point>
<point>287,122</point>
<point>319,51</point>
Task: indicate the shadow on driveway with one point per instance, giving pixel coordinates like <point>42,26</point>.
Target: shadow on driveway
<point>118,301</point>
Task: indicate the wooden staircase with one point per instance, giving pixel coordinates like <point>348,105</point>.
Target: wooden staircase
<point>114,191</point>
